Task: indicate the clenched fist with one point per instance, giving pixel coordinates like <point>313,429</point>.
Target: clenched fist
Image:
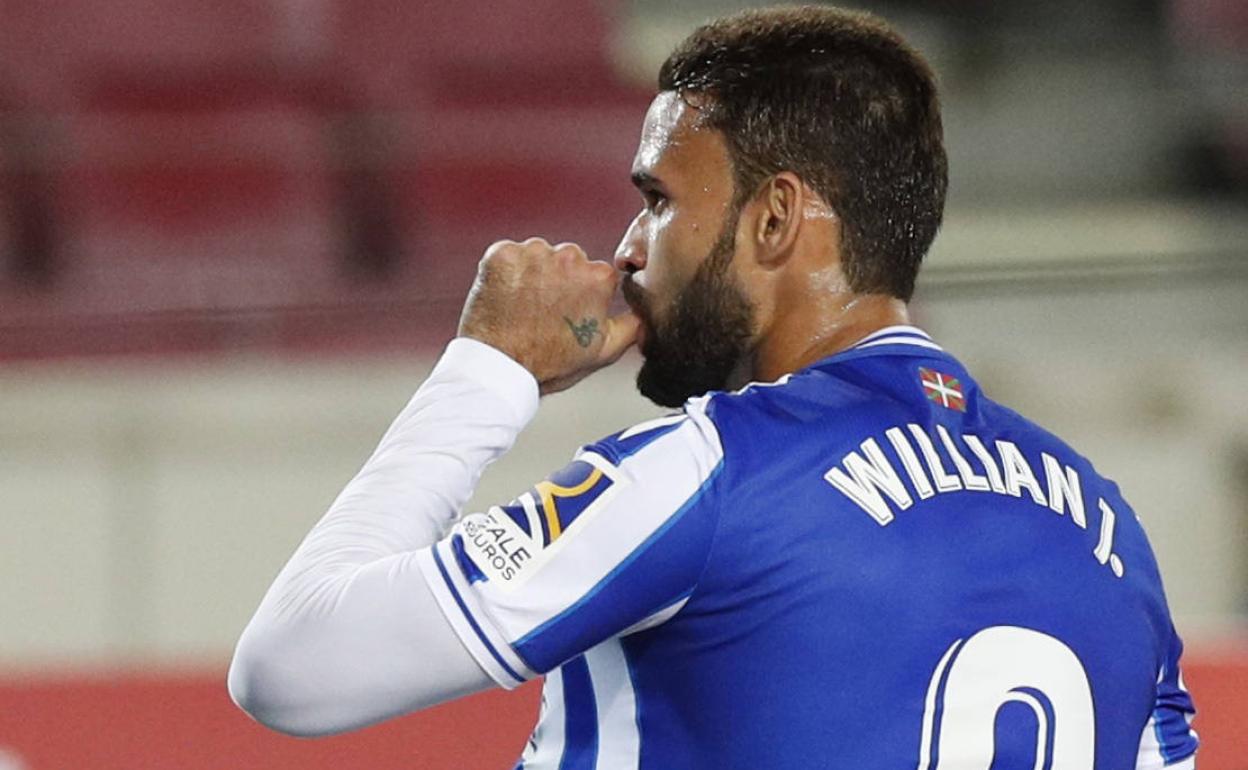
<point>546,307</point>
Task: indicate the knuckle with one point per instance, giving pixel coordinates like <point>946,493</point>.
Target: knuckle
<point>501,251</point>
<point>603,276</point>
<point>502,245</point>
<point>570,249</point>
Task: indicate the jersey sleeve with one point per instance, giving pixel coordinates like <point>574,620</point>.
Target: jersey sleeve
<point>608,545</point>
<point>1168,740</point>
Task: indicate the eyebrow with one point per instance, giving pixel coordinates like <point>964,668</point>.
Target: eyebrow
<point>645,181</point>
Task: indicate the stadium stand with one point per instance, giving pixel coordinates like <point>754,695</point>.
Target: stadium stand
<point>210,162</point>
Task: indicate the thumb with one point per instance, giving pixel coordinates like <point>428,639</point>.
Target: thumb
<point>619,336</point>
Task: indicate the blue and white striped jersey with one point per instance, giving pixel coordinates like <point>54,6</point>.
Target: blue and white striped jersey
<point>866,564</point>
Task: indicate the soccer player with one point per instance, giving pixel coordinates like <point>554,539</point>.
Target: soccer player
<point>837,552</point>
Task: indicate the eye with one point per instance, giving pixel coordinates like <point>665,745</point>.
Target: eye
<point>655,201</point>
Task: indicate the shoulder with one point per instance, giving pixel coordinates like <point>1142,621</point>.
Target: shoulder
<point>689,433</point>
<point>824,406</point>
<point>823,402</point>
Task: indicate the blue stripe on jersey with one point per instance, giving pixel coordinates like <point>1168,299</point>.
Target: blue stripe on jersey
<point>531,646</point>
<point>1173,707</point>
<point>1174,736</point>
<point>515,512</point>
<point>637,700</point>
<point>1166,753</point>
<point>572,475</point>
<point>541,517</point>
<point>616,449</point>
<point>471,620</point>
<point>580,735</point>
<point>469,567</point>
<point>634,444</point>
<point>567,507</point>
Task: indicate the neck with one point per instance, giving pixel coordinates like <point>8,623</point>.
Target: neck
<point>799,338</point>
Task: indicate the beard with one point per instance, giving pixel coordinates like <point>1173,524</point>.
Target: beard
<point>705,335</point>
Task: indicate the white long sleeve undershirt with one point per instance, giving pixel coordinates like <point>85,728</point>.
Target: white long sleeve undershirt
<point>349,633</point>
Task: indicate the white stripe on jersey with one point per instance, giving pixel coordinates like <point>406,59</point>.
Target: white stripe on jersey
<point>619,741</point>
<point>615,702</point>
<point>1150,756</point>
<point>532,516</point>
<point>649,425</point>
<point>898,341</point>
<point>460,606</point>
<point>545,751</point>
<point>657,619</point>
<point>1188,717</point>
<point>892,331</point>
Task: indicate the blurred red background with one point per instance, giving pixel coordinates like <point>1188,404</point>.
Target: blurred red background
<point>149,721</point>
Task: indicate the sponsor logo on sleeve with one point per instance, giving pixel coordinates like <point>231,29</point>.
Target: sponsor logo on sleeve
<point>508,553</point>
<point>496,544</point>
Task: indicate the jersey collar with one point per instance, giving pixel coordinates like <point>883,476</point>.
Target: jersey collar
<point>902,334</point>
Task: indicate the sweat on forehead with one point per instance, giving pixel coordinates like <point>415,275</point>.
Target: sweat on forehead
<point>669,122</point>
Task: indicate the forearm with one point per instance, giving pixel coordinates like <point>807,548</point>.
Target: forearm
<point>409,492</point>
<point>339,639</point>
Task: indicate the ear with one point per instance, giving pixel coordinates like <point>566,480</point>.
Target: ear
<point>778,217</point>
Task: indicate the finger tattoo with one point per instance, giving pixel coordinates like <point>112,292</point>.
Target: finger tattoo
<point>583,331</point>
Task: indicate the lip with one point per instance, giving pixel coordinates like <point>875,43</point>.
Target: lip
<point>633,294</point>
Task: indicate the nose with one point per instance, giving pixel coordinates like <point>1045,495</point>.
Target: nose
<point>630,255</point>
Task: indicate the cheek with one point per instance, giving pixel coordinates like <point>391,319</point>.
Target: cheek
<point>676,245</point>
<point>666,270</point>
<point>677,242</point>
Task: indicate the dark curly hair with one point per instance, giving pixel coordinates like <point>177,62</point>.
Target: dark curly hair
<point>838,98</point>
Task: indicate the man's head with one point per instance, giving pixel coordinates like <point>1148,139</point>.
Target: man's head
<point>783,141</point>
